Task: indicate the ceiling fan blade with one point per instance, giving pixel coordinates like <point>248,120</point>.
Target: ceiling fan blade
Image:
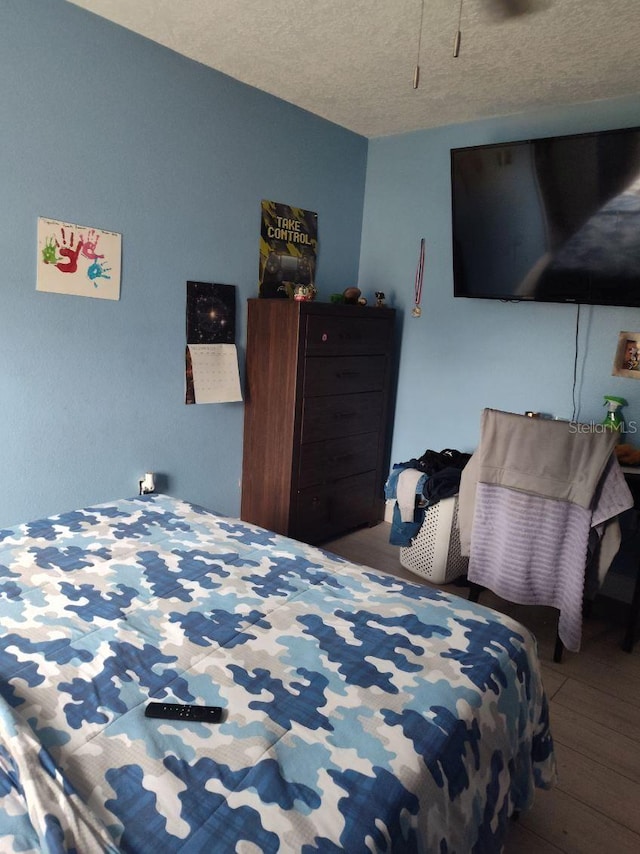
<point>515,8</point>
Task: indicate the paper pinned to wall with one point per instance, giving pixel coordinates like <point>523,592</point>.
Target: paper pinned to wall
<point>212,374</point>
<point>215,373</point>
<point>79,260</point>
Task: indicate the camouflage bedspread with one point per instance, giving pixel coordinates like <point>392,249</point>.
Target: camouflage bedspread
<point>362,713</point>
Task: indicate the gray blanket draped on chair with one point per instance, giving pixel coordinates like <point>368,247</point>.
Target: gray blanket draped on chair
<point>529,498</point>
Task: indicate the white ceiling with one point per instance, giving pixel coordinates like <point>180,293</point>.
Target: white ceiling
<point>352,61</point>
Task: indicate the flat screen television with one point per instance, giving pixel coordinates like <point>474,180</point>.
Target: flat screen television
<point>554,219</point>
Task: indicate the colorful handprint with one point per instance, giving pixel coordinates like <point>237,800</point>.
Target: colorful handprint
<point>98,271</point>
<point>69,252</point>
<point>90,244</point>
<point>49,254</point>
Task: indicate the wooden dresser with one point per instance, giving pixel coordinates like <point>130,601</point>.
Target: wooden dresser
<point>317,416</point>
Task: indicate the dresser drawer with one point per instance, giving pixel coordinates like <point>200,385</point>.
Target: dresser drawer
<point>348,335</point>
<point>343,374</point>
<point>322,462</point>
<point>348,503</point>
<point>341,415</point>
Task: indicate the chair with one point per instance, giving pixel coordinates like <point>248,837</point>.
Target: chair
<point>539,502</point>
<point>628,559</point>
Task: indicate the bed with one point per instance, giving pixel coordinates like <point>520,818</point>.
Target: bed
<point>361,712</point>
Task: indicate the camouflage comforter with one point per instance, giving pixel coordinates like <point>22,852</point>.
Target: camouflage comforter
<point>362,713</point>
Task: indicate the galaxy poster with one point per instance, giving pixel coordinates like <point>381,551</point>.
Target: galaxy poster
<point>212,374</point>
<point>288,249</point>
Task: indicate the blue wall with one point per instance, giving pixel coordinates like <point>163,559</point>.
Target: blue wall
<point>463,355</point>
<point>104,128</point>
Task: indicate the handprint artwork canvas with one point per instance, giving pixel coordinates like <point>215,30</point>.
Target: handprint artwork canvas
<point>78,259</point>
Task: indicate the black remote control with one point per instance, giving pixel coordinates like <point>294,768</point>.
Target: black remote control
<point>179,712</point>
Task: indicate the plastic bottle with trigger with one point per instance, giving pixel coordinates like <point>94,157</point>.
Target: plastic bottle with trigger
<point>613,419</point>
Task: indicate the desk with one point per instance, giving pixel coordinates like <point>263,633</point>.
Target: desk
<point>632,476</point>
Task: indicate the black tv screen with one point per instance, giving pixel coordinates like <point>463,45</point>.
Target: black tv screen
<point>555,219</point>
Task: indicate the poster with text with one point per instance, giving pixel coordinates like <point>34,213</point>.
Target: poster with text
<point>288,249</point>
<point>80,260</point>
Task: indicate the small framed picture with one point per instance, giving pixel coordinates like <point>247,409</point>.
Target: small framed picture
<point>627,361</point>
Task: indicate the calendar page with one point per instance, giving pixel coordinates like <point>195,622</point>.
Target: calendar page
<point>216,378</point>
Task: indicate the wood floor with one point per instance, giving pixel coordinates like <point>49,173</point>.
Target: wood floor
<point>595,720</point>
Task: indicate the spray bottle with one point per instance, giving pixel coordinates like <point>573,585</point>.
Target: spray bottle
<point>613,419</point>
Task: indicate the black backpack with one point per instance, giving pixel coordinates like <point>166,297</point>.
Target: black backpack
<point>434,461</point>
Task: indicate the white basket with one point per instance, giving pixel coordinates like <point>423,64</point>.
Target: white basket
<point>435,552</point>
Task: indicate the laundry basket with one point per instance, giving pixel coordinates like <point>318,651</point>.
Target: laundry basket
<point>435,551</point>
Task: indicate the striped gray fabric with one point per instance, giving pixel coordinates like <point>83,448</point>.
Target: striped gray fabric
<point>532,551</point>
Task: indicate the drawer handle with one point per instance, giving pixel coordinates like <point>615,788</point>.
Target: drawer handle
<point>345,375</point>
<point>341,416</point>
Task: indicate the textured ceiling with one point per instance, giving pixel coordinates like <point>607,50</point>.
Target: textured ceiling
<point>352,61</point>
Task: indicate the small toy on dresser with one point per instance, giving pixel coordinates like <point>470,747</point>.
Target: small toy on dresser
<point>351,296</point>
<point>304,293</point>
